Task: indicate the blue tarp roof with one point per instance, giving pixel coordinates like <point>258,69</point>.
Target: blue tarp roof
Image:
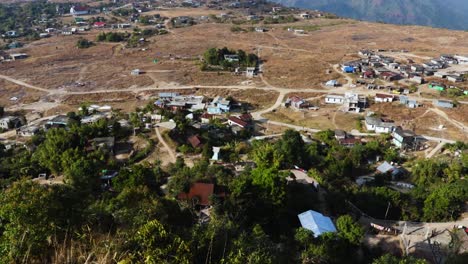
<point>316,222</point>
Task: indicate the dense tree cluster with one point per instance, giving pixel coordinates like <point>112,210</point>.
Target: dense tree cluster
<point>138,220</point>
<point>216,57</point>
<point>112,36</point>
<point>23,17</point>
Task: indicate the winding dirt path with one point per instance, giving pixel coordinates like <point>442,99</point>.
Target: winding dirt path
<point>166,146</point>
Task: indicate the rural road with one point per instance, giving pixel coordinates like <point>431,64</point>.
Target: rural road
<point>256,115</point>
<point>166,146</point>
<point>23,84</point>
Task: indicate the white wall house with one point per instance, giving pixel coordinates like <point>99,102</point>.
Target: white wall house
<point>378,125</point>
<point>462,59</point>
<point>334,99</point>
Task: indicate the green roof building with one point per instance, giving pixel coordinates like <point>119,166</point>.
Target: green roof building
<point>437,86</point>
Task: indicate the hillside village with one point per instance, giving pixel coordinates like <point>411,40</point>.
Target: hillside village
<point>212,117</point>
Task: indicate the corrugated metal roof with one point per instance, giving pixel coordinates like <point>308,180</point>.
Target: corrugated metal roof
<point>316,222</point>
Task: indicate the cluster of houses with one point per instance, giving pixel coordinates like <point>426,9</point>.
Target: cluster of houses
<point>209,109</point>
<point>192,103</point>
<point>375,65</point>
<point>403,139</point>
<point>60,121</point>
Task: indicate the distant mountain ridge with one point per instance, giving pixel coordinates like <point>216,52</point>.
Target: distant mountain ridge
<point>435,13</point>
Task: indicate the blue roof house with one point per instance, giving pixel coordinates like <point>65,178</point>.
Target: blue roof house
<point>348,69</point>
<point>316,222</point>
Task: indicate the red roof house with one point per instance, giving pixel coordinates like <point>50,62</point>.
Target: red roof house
<point>200,193</point>
<point>99,24</point>
<point>195,141</point>
<point>232,120</point>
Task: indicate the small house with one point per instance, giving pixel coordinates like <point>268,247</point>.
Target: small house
<point>168,96</point>
<point>206,118</point>
<point>379,125</point>
<point>348,69</point>
<point>369,74</point>
<point>195,141</point>
<point>403,138</point>
<point>340,134</point>
<point>437,86</point>
<point>28,131</point>
<point>79,10</point>
<point>462,59</point>
<point>386,167</point>
<point>99,24</point>
<point>334,99</point>
<point>219,105</point>
<point>18,56</point>
<point>317,223</point>
<point>332,83</point>
<point>236,121</point>
<point>231,57</point>
<point>10,34</point>
<point>250,72</point>
<point>444,104</point>
<point>10,122</point>
<point>305,16</point>
<point>390,76</point>
<point>135,72</point>
<point>58,121</point>
<point>417,79</point>
<point>417,68</point>
<point>454,78</point>
<point>297,102</point>
<point>440,74</point>
<point>384,98</point>
<point>299,31</point>
<point>200,194</point>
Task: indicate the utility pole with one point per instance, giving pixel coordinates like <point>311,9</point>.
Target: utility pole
<point>388,208</point>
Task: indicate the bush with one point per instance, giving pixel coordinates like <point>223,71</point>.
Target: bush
<point>83,43</point>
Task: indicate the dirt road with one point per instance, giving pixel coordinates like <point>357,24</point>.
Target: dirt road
<point>166,146</point>
<point>16,81</point>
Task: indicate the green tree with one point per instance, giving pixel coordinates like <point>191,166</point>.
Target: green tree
<point>157,245</point>
<point>211,56</point>
<point>292,148</point>
<point>49,153</point>
<point>349,229</point>
<point>30,215</point>
<point>446,202</point>
<point>83,43</point>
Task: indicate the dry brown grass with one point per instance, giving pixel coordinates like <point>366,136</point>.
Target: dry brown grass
<point>291,61</point>
<point>425,122</point>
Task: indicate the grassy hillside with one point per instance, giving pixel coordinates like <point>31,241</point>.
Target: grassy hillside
<point>435,13</point>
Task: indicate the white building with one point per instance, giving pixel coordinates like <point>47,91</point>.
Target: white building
<point>378,125</point>
<point>334,99</point>
<point>462,59</point>
<point>79,10</point>
<point>384,98</point>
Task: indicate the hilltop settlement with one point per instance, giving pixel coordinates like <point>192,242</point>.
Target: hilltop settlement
<point>228,132</point>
